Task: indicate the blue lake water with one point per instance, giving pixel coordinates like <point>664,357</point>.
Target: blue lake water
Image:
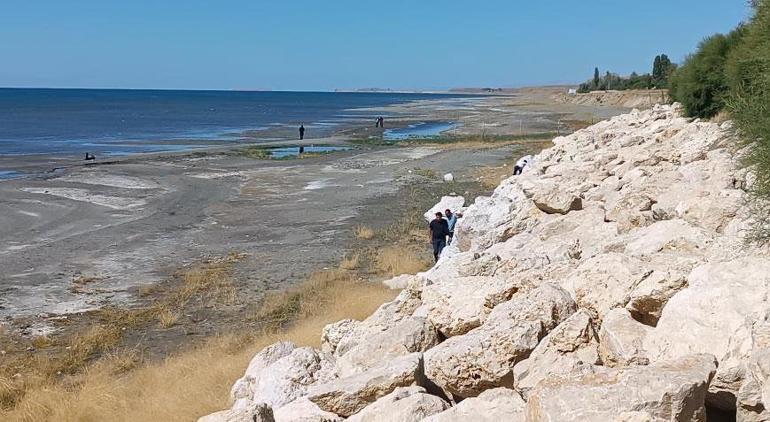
<point>9,174</point>
<point>294,151</point>
<point>418,130</point>
<point>75,121</point>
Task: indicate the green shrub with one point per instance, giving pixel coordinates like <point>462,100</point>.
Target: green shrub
<point>700,83</point>
<point>748,74</point>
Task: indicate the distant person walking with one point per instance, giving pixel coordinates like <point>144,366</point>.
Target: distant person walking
<point>377,122</point>
<point>521,164</point>
<point>451,218</point>
<point>301,132</point>
<point>381,121</point>
<point>439,230</point>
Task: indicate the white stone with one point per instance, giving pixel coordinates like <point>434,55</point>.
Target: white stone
<point>303,410</point>
<point>667,391</point>
<point>456,306</point>
<point>622,339</point>
<point>484,357</point>
<point>347,396</point>
<point>453,203</point>
<point>494,405</point>
<point>404,404</point>
<point>407,336</point>
<point>571,347</point>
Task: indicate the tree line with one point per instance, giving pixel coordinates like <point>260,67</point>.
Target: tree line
<point>662,68</point>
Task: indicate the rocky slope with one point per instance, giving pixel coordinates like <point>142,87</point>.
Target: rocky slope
<point>632,98</point>
<point>609,282</point>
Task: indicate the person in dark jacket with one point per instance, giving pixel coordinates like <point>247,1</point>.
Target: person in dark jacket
<point>439,230</point>
<point>301,132</point>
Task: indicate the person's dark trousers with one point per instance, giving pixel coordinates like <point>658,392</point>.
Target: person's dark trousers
<point>438,246</point>
<point>450,236</point>
<point>517,170</point>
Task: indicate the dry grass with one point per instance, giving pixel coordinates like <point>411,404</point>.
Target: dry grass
<point>364,233</point>
<point>167,318</point>
<point>196,382</point>
<point>350,263</point>
<point>395,260</point>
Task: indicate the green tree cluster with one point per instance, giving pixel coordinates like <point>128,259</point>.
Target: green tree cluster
<point>700,84</point>
<point>661,71</point>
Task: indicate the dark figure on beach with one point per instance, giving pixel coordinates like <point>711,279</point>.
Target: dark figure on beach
<point>381,120</point>
<point>90,157</point>
<point>301,132</point>
<point>301,149</point>
<point>439,230</point>
<point>377,122</point>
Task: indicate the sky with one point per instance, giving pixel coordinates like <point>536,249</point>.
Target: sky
<point>344,44</point>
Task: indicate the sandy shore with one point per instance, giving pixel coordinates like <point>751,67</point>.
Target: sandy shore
<point>129,222</point>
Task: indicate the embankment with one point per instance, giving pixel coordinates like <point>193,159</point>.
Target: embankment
<point>641,99</point>
<point>611,281</point>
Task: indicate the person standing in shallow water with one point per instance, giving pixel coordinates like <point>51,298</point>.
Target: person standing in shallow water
<point>439,230</point>
<point>301,132</point>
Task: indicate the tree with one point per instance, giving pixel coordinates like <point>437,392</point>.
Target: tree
<point>596,77</point>
<point>700,83</point>
<point>656,69</point>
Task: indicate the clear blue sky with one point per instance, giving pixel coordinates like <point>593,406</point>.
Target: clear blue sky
<point>327,44</point>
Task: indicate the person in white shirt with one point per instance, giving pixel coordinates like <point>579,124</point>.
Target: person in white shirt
<point>521,164</point>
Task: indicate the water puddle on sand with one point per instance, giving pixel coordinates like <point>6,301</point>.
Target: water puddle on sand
<point>10,174</point>
<point>418,130</point>
<point>294,151</point>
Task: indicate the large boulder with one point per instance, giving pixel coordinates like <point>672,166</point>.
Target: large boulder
<point>303,410</point>
<point>289,377</point>
<point>242,392</point>
<point>254,412</point>
<point>494,405</point>
<point>552,199</point>
<point>404,404</point>
<point>454,203</point>
<point>622,339</point>
<point>668,391</point>
<point>407,336</point>
<point>571,347</point>
<point>456,306</point>
<point>484,358</point>
<point>605,281</point>
<point>714,314</point>
<point>347,396</point>
<point>754,394</point>
<point>347,336</point>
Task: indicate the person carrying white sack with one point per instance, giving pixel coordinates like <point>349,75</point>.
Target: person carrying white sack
<point>523,162</point>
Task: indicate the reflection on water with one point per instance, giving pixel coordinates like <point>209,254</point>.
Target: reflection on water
<point>418,130</point>
<point>10,174</point>
<point>294,151</point>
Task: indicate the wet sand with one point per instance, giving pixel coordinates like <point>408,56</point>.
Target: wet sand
<point>130,222</point>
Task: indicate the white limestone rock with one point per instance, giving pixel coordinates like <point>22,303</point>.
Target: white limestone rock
<point>303,410</point>
<point>347,396</point>
<point>571,347</point>
<point>484,357</point>
<point>456,306</point>
<point>404,404</point>
<point>622,338</point>
<point>242,392</point>
<point>410,335</point>
<point>605,282</point>
<point>713,315</point>
<point>494,405</point>
<point>453,203</point>
<point>552,199</point>
<point>666,391</point>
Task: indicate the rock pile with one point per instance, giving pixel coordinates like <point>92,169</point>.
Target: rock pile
<point>609,282</point>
